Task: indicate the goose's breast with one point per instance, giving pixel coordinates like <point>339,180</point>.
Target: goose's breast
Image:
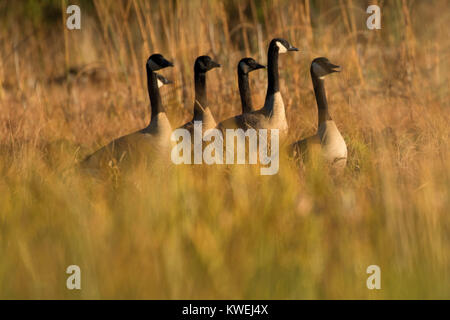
<point>333,144</point>
<point>208,120</point>
<point>160,127</point>
<point>277,118</point>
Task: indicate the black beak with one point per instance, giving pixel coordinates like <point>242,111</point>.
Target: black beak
<point>292,49</point>
<point>215,64</point>
<point>167,63</point>
<point>259,66</point>
<point>334,68</point>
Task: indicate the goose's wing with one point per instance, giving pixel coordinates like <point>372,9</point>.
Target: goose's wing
<point>250,120</point>
<point>302,149</point>
<point>117,151</point>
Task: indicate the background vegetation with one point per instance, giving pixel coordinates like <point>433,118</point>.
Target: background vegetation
<point>202,232</point>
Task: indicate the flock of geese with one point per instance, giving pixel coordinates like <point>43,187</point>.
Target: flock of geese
<point>153,142</point>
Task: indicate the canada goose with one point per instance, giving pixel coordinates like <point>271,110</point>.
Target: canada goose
<point>245,66</point>
<point>272,115</point>
<point>328,139</point>
<point>153,140</point>
<point>201,110</point>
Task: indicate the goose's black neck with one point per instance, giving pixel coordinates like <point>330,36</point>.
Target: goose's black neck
<point>321,98</point>
<point>272,70</point>
<point>201,101</point>
<point>153,92</point>
<point>244,90</point>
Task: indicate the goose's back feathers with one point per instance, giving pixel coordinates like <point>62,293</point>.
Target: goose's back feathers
<point>271,116</point>
<point>255,119</point>
<point>147,144</point>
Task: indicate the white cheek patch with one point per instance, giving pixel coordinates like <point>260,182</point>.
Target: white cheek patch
<point>281,47</point>
<point>160,83</point>
<point>153,65</point>
<point>318,70</point>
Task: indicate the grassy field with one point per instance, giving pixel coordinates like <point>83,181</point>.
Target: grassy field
<point>215,232</point>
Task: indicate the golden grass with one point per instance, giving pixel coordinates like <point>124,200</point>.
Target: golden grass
<point>211,232</point>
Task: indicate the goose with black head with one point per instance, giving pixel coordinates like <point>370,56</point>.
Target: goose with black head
<point>149,142</point>
<point>245,66</point>
<point>202,112</point>
<point>328,139</point>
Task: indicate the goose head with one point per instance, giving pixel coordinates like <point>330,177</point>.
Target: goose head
<point>204,64</point>
<point>247,65</point>
<point>162,80</point>
<point>320,67</point>
<point>282,45</point>
<point>157,62</point>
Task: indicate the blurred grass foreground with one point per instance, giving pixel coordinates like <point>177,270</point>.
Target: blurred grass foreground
<point>202,232</point>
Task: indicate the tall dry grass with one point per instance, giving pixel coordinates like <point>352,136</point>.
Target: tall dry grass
<point>211,232</point>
